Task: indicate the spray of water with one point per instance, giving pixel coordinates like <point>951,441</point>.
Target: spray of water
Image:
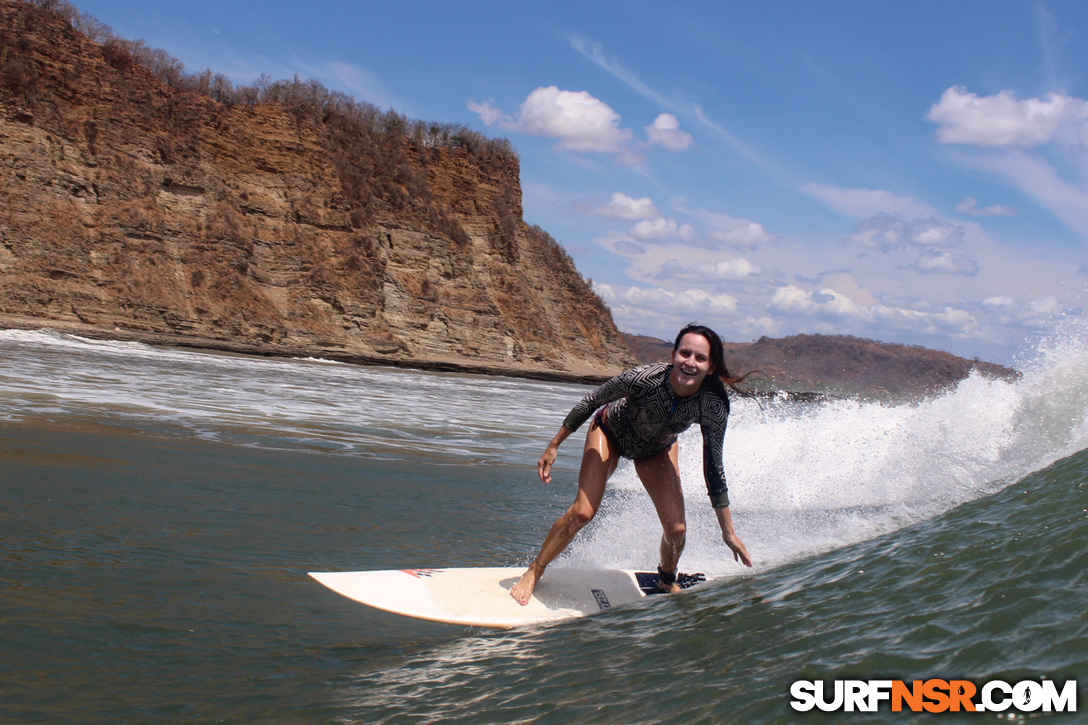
<point>805,479</point>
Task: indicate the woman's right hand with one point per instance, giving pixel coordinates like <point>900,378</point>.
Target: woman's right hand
<point>544,465</point>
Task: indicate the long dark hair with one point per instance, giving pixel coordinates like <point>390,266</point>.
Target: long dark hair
<point>720,377</point>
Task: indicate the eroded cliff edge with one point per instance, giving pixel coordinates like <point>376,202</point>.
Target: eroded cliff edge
<point>134,209</point>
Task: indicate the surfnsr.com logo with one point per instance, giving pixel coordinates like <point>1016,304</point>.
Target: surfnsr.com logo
<point>934,696</point>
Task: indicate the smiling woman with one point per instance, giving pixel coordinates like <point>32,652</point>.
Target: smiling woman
<point>644,410</point>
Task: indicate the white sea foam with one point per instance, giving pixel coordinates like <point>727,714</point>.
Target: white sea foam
<point>365,411</point>
<point>811,478</point>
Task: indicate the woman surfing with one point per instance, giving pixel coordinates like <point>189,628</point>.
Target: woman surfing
<point>644,410</point>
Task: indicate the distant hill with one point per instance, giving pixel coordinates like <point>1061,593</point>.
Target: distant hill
<point>836,364</point>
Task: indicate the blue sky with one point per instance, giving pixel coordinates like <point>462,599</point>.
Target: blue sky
<point>910,172</point>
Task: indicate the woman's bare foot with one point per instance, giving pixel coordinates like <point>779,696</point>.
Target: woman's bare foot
<point>668,588</point>
<point>522,591</point>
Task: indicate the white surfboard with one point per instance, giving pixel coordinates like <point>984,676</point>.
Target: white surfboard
<point>481,597</point>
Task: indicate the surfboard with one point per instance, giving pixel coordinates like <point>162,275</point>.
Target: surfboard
<point>480,597</point>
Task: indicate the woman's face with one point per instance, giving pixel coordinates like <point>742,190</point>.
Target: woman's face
<point>690,364</point>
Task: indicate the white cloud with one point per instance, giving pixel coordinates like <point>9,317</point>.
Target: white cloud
<point>951,320</point>
<point>655,243</point>
<point>720,271</point>
<point>885,232</point>
<point>691,303</point>
<point>730,231</point>
<point>733,232</point>
<point>758,326</point>
<point>1032,314</point>
<point>665,131</point>
<point>576,119</point>
<point>662,228</point>
<point>661,312</point>
<point>933,242</point>
<point>862,203</point>
<point>1000,302</point>
<point>832,306</point>
<point>970,206</point>
<point>627,208</point>
<point>737,268</point>
<point>945,262</point>
<point>1024,143</point>
<point>933,233</point>
<point>746,234</point>
<point>826,302</point>
<point>1002,120</point>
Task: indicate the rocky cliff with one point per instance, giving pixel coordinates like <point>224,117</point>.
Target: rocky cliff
<point>133,208</point>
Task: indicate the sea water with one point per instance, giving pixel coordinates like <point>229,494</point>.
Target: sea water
<point>159,510</point>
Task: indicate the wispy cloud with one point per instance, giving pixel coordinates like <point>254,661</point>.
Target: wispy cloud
<point>1025,143</point>
<point>894,223</point>
<point>970,206</point>
<point>1037,178</point>
<point>715,230</point>
<point>359,82</point>
<point>595,53</point>
<point>863,203</point>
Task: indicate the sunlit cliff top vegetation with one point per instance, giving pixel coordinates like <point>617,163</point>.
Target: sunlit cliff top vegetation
<point>304,97</point>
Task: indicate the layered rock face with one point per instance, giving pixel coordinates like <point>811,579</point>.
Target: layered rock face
<point>134,210</point>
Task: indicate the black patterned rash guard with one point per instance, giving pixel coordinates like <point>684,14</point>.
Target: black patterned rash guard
<point>643,417</point>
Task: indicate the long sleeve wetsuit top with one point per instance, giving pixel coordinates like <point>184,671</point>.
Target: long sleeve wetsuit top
<point>644,417</point>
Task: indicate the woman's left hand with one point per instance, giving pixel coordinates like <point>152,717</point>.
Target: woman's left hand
<point>740,551</point>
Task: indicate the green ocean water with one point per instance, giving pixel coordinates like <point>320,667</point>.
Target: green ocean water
<point>159,512</point>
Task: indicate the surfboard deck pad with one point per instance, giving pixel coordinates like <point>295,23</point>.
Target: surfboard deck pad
<point>480,597</point>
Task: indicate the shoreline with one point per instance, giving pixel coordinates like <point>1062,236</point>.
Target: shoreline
<point>233,347</point>
<point>271,350</point>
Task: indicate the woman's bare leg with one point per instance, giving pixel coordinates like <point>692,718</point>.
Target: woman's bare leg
<point>660,476</point>
<point>598,463</point>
